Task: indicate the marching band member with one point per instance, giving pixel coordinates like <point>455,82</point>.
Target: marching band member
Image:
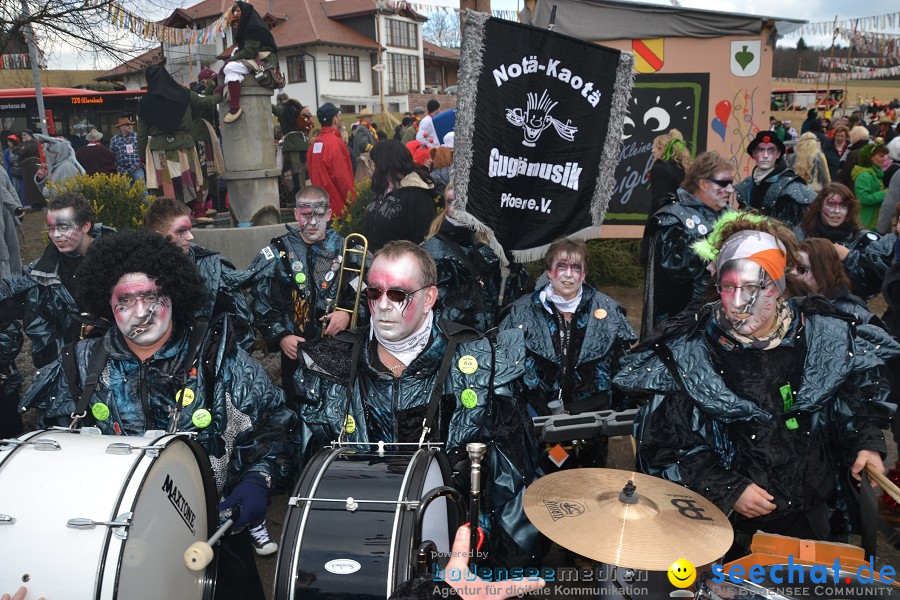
<point>150,289</point>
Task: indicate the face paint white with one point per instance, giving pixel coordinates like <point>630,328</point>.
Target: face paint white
<point>834,211</point>
<point>749,297</point>
<point>64,231</point>
<point>312,217</point>
<point>142,314</point>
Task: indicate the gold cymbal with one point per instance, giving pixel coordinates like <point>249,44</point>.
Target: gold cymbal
<point>587,512</point>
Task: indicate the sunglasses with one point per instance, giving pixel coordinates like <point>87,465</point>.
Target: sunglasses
<point>722,183</point>
<point>396,296</point>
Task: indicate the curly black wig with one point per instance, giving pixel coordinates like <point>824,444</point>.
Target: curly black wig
<point>115,254</point>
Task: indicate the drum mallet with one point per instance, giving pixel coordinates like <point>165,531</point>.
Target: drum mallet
<point>889,487</point>
<point>476,452</point>
<point>199,554</point>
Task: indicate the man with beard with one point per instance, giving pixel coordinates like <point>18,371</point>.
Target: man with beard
<point>773,188</point>
<point>413,377</point>
<point>223,282</point>
<point>295,284</point>
<point>760,401</point>
<point>574,338</point>
<point>155,355</point>
<point>46,290</point>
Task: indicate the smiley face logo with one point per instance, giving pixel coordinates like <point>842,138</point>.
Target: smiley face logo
<point>682,573</point>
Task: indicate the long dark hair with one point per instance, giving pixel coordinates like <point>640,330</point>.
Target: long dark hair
<point>813,214</point>
<point>826,266</point>
<point>393,162</point>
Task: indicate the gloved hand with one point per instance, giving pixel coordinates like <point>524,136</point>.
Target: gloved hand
<point>248,500</point>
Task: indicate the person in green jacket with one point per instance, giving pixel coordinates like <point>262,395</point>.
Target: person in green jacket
<point>255,45</point>
<point>867,182</point>
<point>165,118</point>
<point>296,122</point>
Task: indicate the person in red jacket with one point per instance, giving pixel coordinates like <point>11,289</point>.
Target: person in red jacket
<point>328,160</point>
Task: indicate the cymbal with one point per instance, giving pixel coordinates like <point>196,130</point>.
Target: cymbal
<point>581,510</point>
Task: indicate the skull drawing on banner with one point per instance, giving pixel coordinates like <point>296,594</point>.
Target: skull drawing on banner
<point>536,118</point>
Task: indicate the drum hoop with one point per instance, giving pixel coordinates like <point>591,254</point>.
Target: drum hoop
<point>404,489</point>
<point>208,484</point>
<point>295,558</point>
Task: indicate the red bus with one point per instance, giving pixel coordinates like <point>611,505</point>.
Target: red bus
<point>71,112</point>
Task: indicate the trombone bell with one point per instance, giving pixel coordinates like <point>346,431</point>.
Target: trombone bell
<point>361,248</point>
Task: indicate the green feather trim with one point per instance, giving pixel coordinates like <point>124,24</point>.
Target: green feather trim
<point>708,247</point>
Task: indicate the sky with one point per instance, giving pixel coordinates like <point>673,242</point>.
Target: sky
<point>807,10</point>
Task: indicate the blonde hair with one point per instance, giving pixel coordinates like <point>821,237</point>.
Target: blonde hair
<point>807,162</point>
<point>671,146</point>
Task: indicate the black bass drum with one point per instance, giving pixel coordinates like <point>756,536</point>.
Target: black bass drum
<point>349,529</point>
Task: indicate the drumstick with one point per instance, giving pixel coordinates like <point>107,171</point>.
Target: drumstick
<point>200,554</point>
<point>886,484</point>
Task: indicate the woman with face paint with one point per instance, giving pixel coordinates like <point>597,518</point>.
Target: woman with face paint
<point>675,275</point>
<point>150,289</point>
<point>834,216</point>
<point>765,400</point>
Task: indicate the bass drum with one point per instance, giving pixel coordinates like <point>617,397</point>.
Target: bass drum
<point>95,516</point>
<point>332,549</point>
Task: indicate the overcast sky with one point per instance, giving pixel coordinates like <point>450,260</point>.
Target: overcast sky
<point>807,10</point>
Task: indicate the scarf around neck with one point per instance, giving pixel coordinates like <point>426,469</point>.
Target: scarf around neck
<point>408,349</point>
<point>562,305</point>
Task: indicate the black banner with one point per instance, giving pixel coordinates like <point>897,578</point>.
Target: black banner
<point>539,125</point>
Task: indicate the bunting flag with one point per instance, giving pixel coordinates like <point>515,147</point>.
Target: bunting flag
<point>886,21</point>
<point>861,73</point>
<point>864,61</point>
<point>508,15</point>
<point>120,17</point>
<point>15,61</point>
<point>538,133</point>
<point>883,44</point>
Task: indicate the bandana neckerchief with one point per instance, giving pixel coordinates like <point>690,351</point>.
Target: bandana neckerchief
<point>407,350</point>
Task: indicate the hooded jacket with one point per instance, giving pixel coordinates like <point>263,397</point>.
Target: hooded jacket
<point>401,213</point>
<point>868,185</point>
<point>392,409</point>
<point>249,420</point>
<point>700,431</point>
<point>61,162</point>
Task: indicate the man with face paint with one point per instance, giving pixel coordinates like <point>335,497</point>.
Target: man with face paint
<point>760,402</point>
<point>295,284</point>
<point>150,289</point>
<point>224,283</point>
<point>773,188</point>
<point>400,359</point>
<point>46,289</point>
<point>675,275</point>
<point>574,338</point>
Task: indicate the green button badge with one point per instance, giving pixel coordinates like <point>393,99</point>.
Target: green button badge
<point>469,398</point>
<point>201,418</point>
<point>300,277</point>
<point>100,411</point>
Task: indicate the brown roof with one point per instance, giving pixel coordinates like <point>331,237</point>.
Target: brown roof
<point>439,52</point>
<point>135,65</point>
<point>336,9</point>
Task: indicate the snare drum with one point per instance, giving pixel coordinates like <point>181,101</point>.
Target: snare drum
<point>348,532</point>
<point>95,516</point>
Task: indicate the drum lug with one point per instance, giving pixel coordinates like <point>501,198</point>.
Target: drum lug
<point>119,526</point>
<point>351,504</point>
<point>7,520</point>
<point>41,445</point>
<point>123,448</point>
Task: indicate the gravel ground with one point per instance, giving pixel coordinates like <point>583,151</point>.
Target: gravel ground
<point>620,449</point>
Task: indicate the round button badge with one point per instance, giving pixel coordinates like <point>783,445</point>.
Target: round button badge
<point>469,398</point>
<point>201,418</point>
<point>100,411</point>
<point>468,364</point>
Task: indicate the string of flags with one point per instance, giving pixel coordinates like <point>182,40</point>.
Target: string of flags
<point>857,73</point>
<point>886,21</point>
<point>884,44</point>
<point>843,62</point>
<point>15,61</point>
<point>508,15</point>
<point>123,18</point>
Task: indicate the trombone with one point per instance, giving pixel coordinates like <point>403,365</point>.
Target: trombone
<point>361,248</point>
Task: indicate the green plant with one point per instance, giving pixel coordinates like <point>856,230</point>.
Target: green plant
<point>353,219</point>
<point>118,201</point>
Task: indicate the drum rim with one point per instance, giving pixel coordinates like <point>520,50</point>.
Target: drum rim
<point>211,492</point>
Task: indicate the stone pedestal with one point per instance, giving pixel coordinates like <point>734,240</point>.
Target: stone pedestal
<point>249,149</point>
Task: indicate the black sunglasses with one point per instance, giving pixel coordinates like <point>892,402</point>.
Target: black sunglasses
<point>397,296</point>
<point>723,183</point>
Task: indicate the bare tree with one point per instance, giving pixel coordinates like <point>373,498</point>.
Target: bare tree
<point>79,27</point>
<point>442,29</point>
